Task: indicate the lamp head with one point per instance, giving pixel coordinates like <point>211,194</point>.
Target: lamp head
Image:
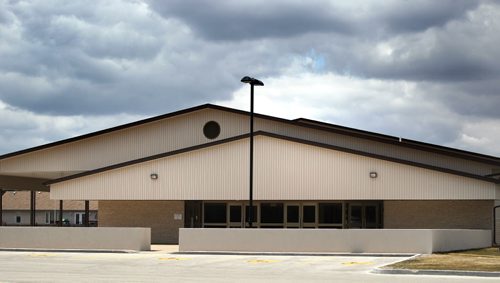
<point>252,81</point>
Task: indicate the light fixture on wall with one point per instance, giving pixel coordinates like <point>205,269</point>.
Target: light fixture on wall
<point>153,176</point>
<point>373,175</point>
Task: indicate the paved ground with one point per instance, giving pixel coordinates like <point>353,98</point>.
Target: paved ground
<point>162,266</point>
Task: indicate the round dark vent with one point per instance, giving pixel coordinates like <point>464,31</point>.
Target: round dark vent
<point>211,130</point>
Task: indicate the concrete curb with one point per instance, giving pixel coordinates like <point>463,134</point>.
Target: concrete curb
<point>436,272</point>
<point>64,250</point>
<point>292,254</point>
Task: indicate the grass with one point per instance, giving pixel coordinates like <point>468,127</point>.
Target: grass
<point>471,260</point>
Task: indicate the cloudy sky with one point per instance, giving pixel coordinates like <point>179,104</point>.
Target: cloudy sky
<point>423,70</point>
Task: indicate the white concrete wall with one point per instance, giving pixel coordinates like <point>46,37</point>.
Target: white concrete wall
<point>111,238</point>
<point>450,239</point>
<point>331,240</point>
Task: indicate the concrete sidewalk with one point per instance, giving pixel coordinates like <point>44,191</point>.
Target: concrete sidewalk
<point>165,248</point>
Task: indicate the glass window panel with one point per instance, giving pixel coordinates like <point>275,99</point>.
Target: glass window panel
<point>292,213</point>
<point>355,216</point>
<point>214,213</point>
<point>235,213</point>
<point>330,213</point>
<point>271,213</point>
<point>309,213</point>
<point>254,212</point>
<point>371,214</point>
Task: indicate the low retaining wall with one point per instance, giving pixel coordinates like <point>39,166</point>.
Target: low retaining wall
<point>95,238</point>
<point>331,240</point>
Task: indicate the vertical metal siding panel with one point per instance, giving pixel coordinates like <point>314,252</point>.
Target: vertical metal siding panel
<point>374,147</point>
<point>186,130</point>
<point>338,175</point>
<point>283,170</point>
<point>132,143</point>
<point>219,172</point>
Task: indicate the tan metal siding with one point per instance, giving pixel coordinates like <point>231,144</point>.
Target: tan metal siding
<point>186,130</point>
<point>375,147</point>
<point>212,173</point>
<point>284,170</point>
<point>298,171</point>
<point>133,143</point>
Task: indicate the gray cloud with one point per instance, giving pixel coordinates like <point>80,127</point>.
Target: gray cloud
<point>66,59</point>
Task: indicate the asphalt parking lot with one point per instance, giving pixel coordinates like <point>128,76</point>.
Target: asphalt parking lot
<point>163,266</point>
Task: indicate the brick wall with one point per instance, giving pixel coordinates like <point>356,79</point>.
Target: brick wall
<point>158,215</point>
<point>476,214</point>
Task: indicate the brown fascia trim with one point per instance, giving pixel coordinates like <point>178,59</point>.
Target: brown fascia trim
<point>301,122</point>
<point>267,134</point>
<point>105,131</point>
<point>453,152</point>
<point>343,129</point>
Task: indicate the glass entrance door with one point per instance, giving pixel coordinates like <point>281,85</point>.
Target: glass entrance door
<point>363,215</point>
<point>355,216</point>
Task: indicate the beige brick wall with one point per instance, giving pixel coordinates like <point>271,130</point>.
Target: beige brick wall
<point>445,214</point>
<point>158,215</point>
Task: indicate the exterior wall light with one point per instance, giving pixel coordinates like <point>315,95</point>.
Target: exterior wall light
<point>153,176</point>
<point>373,175</point>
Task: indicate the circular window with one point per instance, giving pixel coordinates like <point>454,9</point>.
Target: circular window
<point>211,130</point>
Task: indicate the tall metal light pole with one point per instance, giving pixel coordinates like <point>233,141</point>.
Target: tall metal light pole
<point>253,82</point>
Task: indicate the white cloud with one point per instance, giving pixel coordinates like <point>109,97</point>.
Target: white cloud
<point>397,108</point>
<point>20,129</point>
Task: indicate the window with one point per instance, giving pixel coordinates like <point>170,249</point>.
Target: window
<point>330,213</point>
<point>309,214</point>
<point>254,213</point>
<point>235,213</point>
<point>355,216</point>
<point>18,219</point>
<point>371,216</point>
<point>292,214</point>
<point>211,130</point>
<point>79,218</point>
<point>214,213</point>
<point>271,213</point>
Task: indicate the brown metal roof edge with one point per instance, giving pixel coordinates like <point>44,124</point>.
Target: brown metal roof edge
<point>307,142</point>
<point>404,142</point>
<point>345,129</point>
<point>105,131</point>
<point>322,126</point>
<point>328,127</point>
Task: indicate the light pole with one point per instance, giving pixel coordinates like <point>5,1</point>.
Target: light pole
<point>253,82</point>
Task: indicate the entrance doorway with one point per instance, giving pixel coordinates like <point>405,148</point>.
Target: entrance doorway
<point>363,215</point>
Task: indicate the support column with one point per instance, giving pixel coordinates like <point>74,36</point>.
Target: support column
<point>60,213</point>
<point>87,222</point>
<point>33,209</point>
<point>1,207</point>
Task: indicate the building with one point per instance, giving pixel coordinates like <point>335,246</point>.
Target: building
<point>190,169</point>
<point>16,210</point>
